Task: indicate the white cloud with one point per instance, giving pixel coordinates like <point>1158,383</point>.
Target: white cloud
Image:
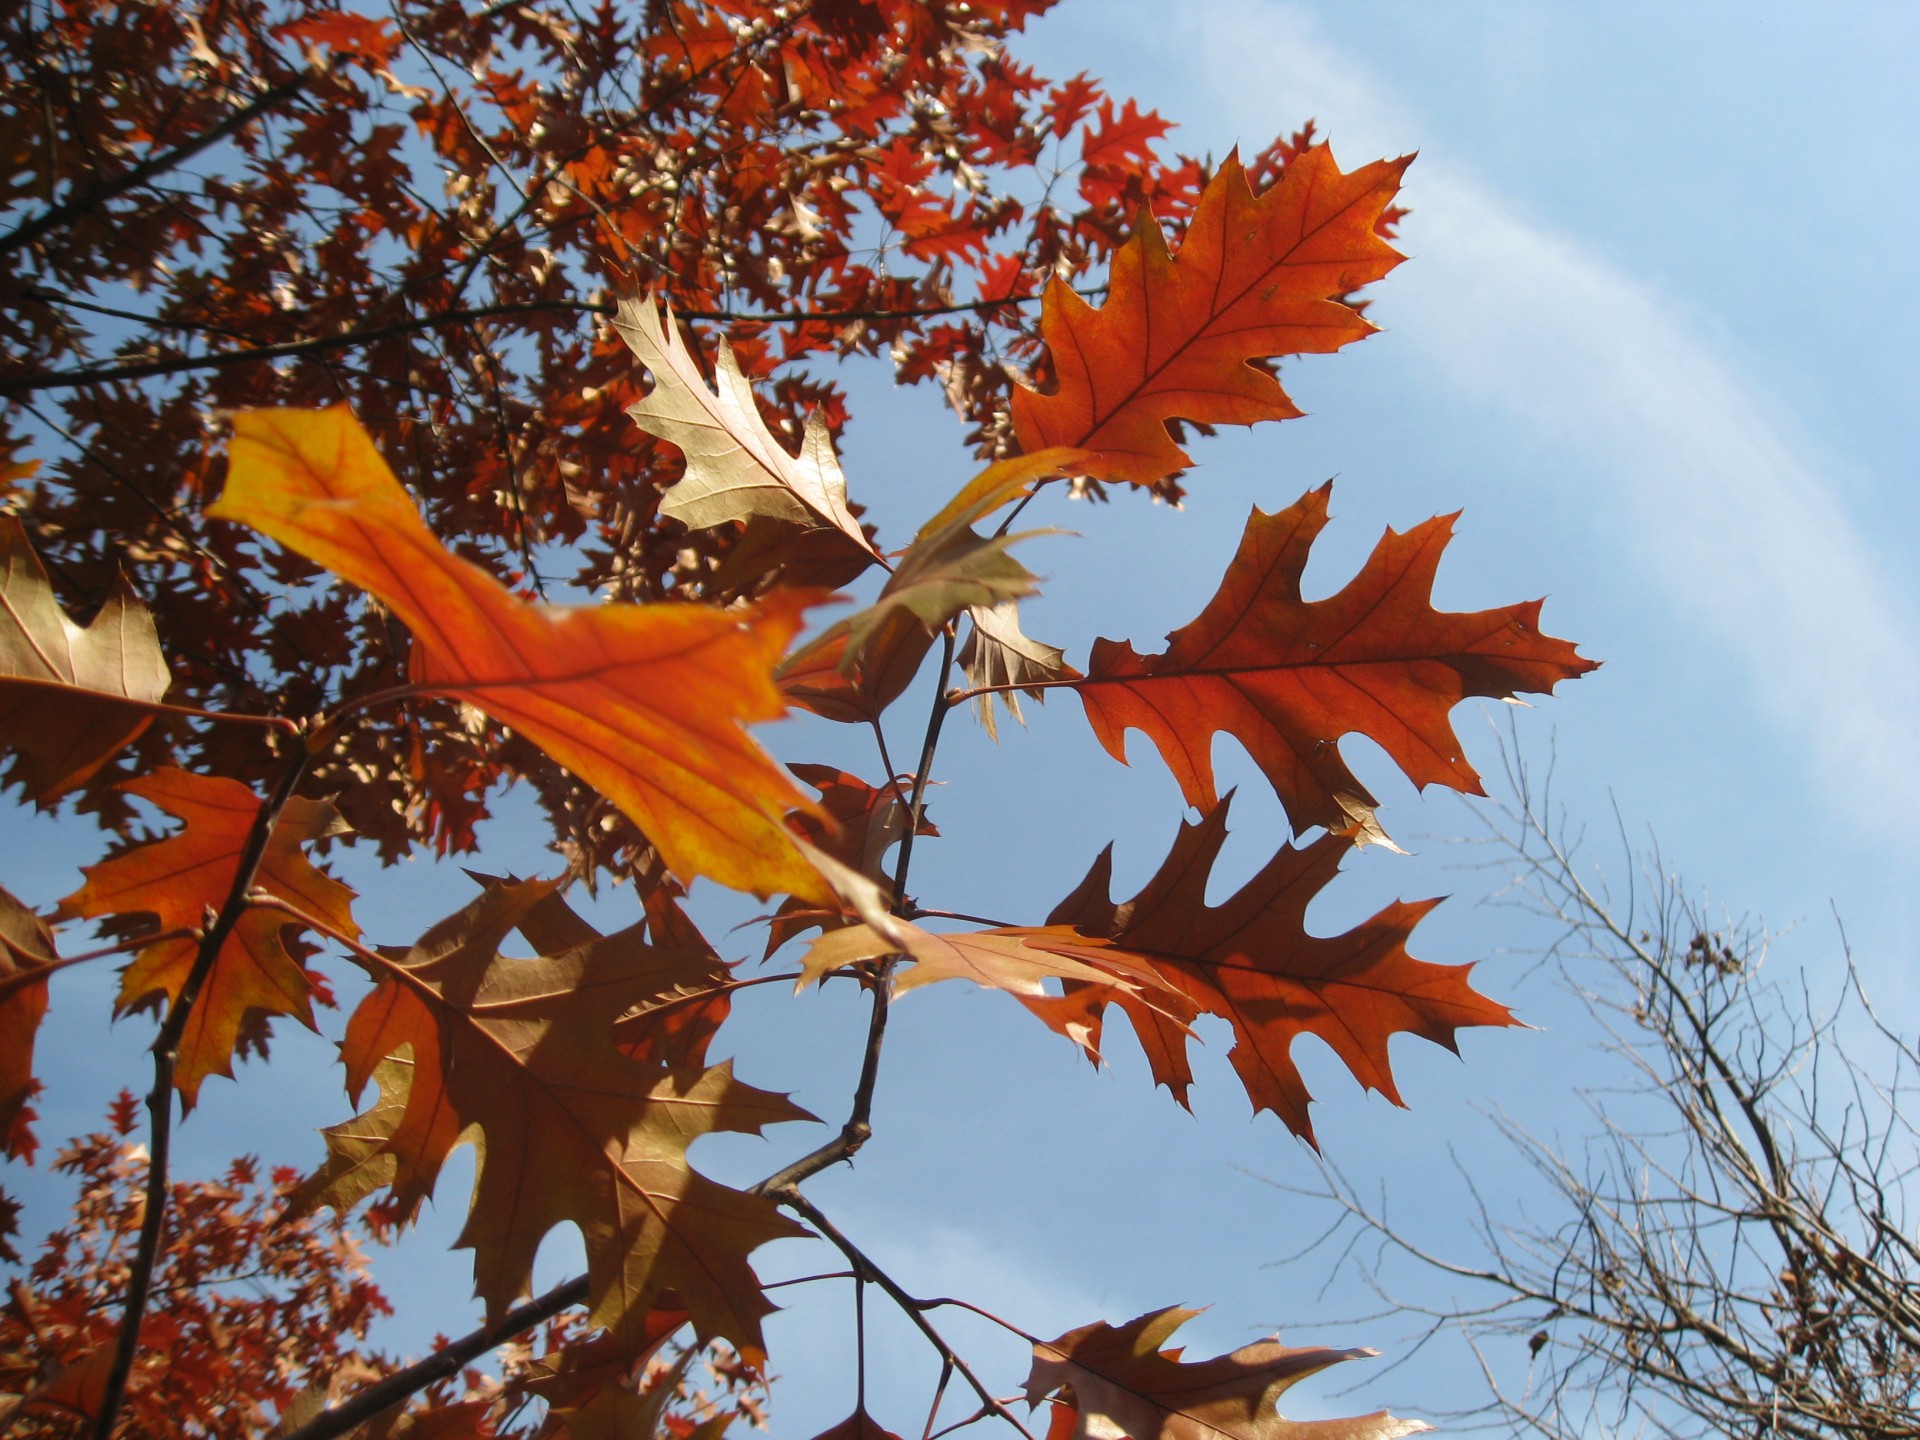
<point>1687,469</point>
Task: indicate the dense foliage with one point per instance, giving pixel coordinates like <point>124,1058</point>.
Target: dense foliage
<point>319,417</point>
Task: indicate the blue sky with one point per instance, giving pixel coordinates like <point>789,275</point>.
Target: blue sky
<point>1655,339</point>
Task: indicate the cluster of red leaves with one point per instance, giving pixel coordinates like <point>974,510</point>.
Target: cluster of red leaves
<point>250,1309</point>
<point>424,215</point>
<point>840,170</point>
<point>261,1316</point>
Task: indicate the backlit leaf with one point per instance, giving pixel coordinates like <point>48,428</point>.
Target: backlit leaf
<point>1257,276</point>
<point>69,696</point>
<point>1287,677</point>
<point>1121,1380</point>
<point>1251,961</point>
<point>179,879</point>
<point>735,466</point>
<point>525,1056</point>
<point>646,703</point>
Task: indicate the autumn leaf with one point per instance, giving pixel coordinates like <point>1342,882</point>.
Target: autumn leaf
<point>735,466</point>
<point>1256,277</point>
<point>938,577</point>
<point>644,702</point>
<point>821,678</point>
<point>1019,962</point>
<point>1121,1380</point>
<point>1251,961</point>
<point>1287,676</point>
<point>999,658</point>
<point>857,667</point>
<point>27,958</point>
<point>70,697</point>
<point>598,1389</point>
<point>858,825</point>
<point>691,987</point>
<point>525,1055</point>
<point>179,879</point>
<point>1005,481</point>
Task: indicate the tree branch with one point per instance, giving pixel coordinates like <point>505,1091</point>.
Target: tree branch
<point>102,191</point>
<point>166,1053</point>
<point>447,1361</point>
<point>347,340</point>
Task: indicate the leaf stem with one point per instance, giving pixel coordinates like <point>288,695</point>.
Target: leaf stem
<point>960,697</point>
<point>160,707</point>
<point>20,979</point>
<point>942,702</point>
<point>915,912</point>
<point>166,1053</point>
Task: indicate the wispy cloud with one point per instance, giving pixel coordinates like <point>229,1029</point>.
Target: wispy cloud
<point>1684,462</point>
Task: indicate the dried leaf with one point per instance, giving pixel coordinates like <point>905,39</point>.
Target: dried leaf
<point>735,467</point>
<point>1122,1381</point>
<point>69,697</point>
<point>525,1054</point>
<point>997,652</point>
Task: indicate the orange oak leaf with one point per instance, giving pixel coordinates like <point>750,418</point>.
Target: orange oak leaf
<point>735,467</point>
<point>1121,1380</point>
<point>1251,961</point>
<point>1257,276</point>
<point>27,960</point>
<point>646,703</point>
<point>1288,677</point>
<point>525,1056</point>
<point>179,879</point>
<point>69,696</point>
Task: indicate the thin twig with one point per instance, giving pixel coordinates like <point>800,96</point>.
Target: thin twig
<point>937,716</point>
<point>350,339</point>
<point>913,1309</point>
<point>98,194</point>
<point>859,1127</point>
<point>37,974</point>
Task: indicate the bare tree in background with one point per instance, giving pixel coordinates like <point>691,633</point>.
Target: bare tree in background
<point>1733,1251</point>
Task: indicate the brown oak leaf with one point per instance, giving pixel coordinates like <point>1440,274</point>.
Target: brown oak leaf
<point>525,1055</point>
<point>1121,1381</point>
<point>70,697</point>
<point>1288,677</point>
